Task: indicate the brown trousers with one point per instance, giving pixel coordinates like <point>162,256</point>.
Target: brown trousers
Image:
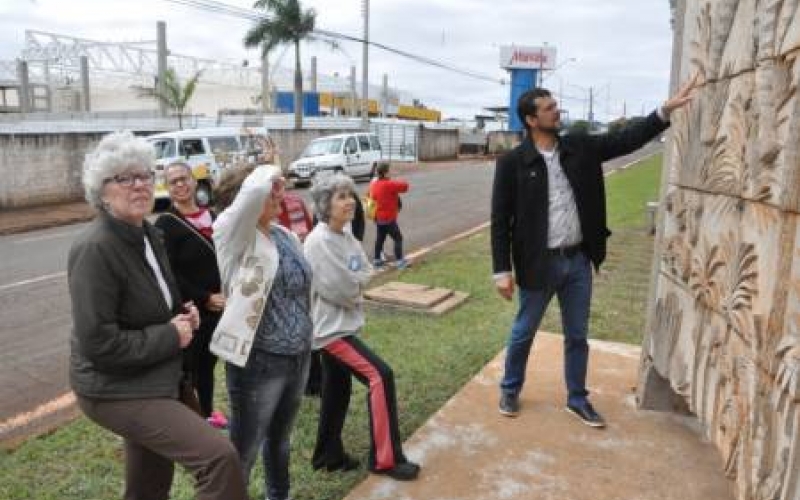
<point>159,432</point>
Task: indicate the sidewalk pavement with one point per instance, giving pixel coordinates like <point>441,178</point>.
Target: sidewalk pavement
<point>29,219</point>
<point>469,451</point>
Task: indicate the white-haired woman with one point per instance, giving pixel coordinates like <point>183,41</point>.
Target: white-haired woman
<point>265,331</point>
<point>341,271</point>
<point>129,326</point>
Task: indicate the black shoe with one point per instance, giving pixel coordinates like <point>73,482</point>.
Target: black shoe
<point>345,464</point>
<point>588,416</point>
<point>405,471</point>
<point>509,405</point>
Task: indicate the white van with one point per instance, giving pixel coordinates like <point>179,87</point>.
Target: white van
<point>356,154</point>
<point>208,151</point>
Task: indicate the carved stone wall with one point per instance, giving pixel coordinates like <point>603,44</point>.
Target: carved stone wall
<point>724,322</point>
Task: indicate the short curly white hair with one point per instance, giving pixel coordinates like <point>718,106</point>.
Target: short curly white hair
<point>114,154</point>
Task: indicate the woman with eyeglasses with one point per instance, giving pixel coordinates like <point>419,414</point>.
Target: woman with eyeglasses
<point>188,233</point>
<point>129,328</point>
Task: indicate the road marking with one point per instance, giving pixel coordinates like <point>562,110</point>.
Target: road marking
<point>31,281</point>
<point>41,237</point>
<point>42,411</point>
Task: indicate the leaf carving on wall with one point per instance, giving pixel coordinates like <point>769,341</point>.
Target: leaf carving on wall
<point>741,288</point>
<point>684,214</point>
<point>667,327</point>
<point>725,173</point>
<point>701,47</point>
<point>706,277</point>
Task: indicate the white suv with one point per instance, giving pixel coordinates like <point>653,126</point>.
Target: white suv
<point>356,154</point>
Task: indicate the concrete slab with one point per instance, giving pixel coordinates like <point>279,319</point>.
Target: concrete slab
<point>408,294</point>
<point>414,297</point>
<point>469,451</point>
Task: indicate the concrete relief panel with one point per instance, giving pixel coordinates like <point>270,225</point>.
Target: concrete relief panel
<point>724,326</point>
<point>787,25</point>
<point>715,137</point>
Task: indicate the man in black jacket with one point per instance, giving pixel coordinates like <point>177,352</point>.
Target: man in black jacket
<point>549,224</point>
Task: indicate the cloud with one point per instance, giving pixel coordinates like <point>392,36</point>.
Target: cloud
<point>622,47</point>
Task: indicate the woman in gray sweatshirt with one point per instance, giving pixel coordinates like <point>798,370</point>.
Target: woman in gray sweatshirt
<point>341,270</point>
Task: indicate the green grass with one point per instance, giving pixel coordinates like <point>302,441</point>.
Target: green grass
<point>431,358</point>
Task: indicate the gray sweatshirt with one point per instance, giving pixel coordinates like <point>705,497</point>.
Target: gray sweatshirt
<point>341,271</point>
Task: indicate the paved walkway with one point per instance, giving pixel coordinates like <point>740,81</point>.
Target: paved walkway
<point>468,451</point>
<point>28,219</point>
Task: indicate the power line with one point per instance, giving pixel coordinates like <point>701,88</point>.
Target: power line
<point>240,12</point>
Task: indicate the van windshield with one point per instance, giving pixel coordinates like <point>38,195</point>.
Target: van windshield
<point>165,148</point>
<point>323,147</point>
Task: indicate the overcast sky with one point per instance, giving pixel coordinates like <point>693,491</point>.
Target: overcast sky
<point>622,48</point>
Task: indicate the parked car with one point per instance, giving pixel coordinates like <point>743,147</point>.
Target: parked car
<point>208,151</point>
<point>356,154</point>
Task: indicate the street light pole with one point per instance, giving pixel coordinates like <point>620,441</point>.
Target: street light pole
<point>365,71</point>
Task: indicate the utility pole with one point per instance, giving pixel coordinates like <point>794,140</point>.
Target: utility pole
<point>313,75</point>
<point>161,47</point>
<point>24,87</point>
<point>385,96</point>
<point>590,116</point>
<point>365,71</point>
<point>353,95</point>
<point>84,62</point>
<point>266,96</point>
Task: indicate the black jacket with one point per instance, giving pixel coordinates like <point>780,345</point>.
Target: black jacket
<point>123,345</point>
<point>520,197</point>
<point>193,260</point>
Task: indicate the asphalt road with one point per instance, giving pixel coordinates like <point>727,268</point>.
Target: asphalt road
<point>34,303</point>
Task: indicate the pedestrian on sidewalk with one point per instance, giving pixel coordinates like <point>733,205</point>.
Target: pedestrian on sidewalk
<point>548,222</point>
<point>341,272</point>
<point>188,231</point>
<point>265,331</point>
<point>386,193</point>
<point>129,328</point>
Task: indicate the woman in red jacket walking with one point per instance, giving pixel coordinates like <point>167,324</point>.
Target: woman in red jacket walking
<point>385,192</point>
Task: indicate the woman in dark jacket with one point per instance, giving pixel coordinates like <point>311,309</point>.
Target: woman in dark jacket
<point>188,237</point>
<point>129,326</point>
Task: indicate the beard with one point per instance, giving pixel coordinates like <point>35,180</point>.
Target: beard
<point>553,129</point>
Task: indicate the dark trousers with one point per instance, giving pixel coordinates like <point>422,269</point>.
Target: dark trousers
<point>159,432</point>
<point>265,396</point>
<point>342,359</point>
<point>199,363</point>
<point>388,229</point>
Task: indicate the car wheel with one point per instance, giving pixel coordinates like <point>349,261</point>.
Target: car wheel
<point>203,194</point>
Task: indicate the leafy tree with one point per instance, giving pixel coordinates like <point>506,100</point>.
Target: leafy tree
<point>579,127</point>
<point>286,23</point>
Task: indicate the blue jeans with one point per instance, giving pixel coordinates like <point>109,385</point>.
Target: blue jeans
<point>570,279</point>
<point>265,396</point>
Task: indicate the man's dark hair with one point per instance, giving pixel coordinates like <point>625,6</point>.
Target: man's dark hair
<point>526,105</point>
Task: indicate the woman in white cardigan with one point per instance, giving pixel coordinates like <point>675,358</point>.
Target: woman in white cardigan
<point>265,331</point>
<point>341,271</point>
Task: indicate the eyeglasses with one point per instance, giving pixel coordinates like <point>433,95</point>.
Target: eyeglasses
<point>178,181</point>
<point>128,180</point>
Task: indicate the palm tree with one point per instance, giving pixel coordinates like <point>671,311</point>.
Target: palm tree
<point>172,93</point>
<point>175,95</point>
<point>289,23</point>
